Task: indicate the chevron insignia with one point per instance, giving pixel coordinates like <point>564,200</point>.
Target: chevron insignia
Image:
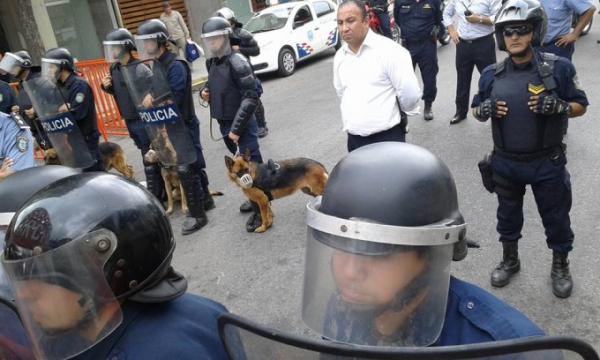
<point>536,89</point>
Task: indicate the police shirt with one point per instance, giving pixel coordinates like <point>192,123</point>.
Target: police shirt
<point>417,18</point>
<point>184,328</point>
<point>522,131</point>
<point>560,15</point>
<point>15,143</point>
<point>81,104</point>
<point>8,99</point>
<point>180,83</point>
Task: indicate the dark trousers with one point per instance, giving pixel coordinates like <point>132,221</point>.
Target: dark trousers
<point>480,52</point>
<point>137,133</point>
<point>384,24</point>
<point>92,143</point>
<point>248,140</point>
<point>424,54</point>
<point>566,51</point>
<point>260,114</point>
<point>396,133</point>
<point>551,185</point>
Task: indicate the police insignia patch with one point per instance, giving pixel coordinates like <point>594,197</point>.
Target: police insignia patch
<point>79,97</point>
<point>536,89</point>
<point>576,83</point>
<point>22,143</point>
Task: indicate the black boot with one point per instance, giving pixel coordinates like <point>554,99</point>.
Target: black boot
<point>509,265</point>
<point>194,194</point>
<point>427,113</point>
<point>246,206</point>
<point>254,221</point>
<point>209,202</point>
<point>562,284</point>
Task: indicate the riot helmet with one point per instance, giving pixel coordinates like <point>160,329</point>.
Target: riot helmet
<point>521,11</point>
<point>380,244</point>
<point>82,261</point>
<point>216,32</point>
<point>118,43</point>
<point>151,36</point>
<point>56,60</point>
<point>14,63</point>
<point>228,15</point>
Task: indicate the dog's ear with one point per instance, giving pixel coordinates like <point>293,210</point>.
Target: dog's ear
<point>228,162</point>
<point>247,155</point>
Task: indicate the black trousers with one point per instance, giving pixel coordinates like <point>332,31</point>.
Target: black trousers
<point>479,52</point>
<point>396,133</point>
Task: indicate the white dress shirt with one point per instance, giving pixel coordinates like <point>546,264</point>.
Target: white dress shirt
<point>467,30</point>
<point>371,82</point>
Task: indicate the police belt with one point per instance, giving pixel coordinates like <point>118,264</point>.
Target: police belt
<point>526,157</point>
<point>471,41</point>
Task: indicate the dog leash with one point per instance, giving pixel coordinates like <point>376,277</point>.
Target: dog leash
<point>211,133</point>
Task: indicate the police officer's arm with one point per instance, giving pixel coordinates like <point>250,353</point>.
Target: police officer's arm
<point>585,10</point>
<point>176,77</point>
<point>247,44</point>
<point>399,69</point>
<point>81,100</point>
<point>244,78</point>
<point>483,106</point>
<point>106,84</point>
<point>16,144</point>
<point>569,89</point>
<point>448,17</point>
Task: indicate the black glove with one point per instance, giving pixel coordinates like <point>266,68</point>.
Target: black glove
<point>487,109</point>
<point>549,104</point>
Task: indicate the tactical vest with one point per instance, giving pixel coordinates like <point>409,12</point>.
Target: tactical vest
<point>523,131</point>
<point>185,105</point>
<point>121,94</point>
<point>225,96</point>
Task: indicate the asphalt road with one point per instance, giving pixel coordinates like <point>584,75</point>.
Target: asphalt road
<point>260,275</point>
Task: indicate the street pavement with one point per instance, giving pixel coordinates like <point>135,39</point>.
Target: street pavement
<point>260,275</point>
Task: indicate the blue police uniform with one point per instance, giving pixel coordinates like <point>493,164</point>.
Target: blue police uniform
<point>8,98</point>
<point>81,105</point>
<point>184,328</point>
<point>24,103</point>
<point>16,143</point>
<point>528,147</point>
<point>418,21</point>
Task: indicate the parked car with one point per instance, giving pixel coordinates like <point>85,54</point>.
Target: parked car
<point>292,32</point>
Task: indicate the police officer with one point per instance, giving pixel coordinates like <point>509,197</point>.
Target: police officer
<point>389,284</point>
<point>16,144</point>
<point>154,35</point>
<point>103,290</point>
<point>528,96</point>
<point>243,41</point>
<point>78,96</point>
<point>232,93</point>
<point>118,50</point>
<point>20,66</point>
<point>420,23</point>
<point>8,98</point>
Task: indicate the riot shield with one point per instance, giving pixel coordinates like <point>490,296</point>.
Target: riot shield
<point>148,86</point>
<point>246,340</point>
<point>58,123</point>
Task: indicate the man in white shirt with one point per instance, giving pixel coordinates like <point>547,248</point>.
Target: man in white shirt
<point>177,28</point>
<point>374,79</point>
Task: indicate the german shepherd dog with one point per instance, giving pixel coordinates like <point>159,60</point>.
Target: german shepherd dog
<point>262,183</point>
<point>111,154</point>
<point>171,180</point>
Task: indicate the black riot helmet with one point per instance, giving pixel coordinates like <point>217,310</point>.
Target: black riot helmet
<point>215,24</point>
<point>228,15</point>
<point>61,57</point>
<point>388,203</point>
<point>154,28</point>
<point>521,11</point>
<point>216,34</point>
<point>118,42</point>
<point>15,63</point>
<point>25,58</point>
<point>99,236</point>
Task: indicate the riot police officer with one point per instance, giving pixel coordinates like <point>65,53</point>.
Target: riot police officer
<point>420,23</point>
<point>118,50</point>
<point>528,96</point>
<point>8,98</point>
<point>380,244</point>
<point>58,65</point>
<point>102,289</point>
<point>231,91</point>
<point>20,66</point>
<point>152,40</point>
<point>243,41</point>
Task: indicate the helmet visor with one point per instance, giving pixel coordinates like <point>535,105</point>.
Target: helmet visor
<point>371,293</point>
<point>147,46</point>
<point>11,64</point>
<point>216,44</point>
<point>114,51</point>
<point>63,296</point>
<point>51,69</point>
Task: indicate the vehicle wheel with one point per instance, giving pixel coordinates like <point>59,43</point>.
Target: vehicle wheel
<point>445,39</point>
<point>287,62</point>
<point>587,28</point>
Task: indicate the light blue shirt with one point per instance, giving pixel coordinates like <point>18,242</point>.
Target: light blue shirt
<point>560,15</point>
<point>466,30</point>
<point>15,144</point>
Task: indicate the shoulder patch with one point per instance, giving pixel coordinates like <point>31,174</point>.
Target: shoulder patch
<point>576,82</point>
<point>22,143</point>
<point>79,97</point>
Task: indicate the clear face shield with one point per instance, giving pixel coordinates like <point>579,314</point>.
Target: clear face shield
<point>11,64</point>
<point>51,69</point>
<point>147,46</point>
<point>62,295</point>
<point>377,285</point>
<point>114,51</point>
<point>216,44</point>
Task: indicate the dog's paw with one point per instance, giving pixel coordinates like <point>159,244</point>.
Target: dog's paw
<point>169,211</point>
<point>185,211</point>
<point>260,229</point>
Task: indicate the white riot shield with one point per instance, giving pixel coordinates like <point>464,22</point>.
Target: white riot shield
<point>246,340</point>
<point>150,91</point>
<point>58,123</point>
